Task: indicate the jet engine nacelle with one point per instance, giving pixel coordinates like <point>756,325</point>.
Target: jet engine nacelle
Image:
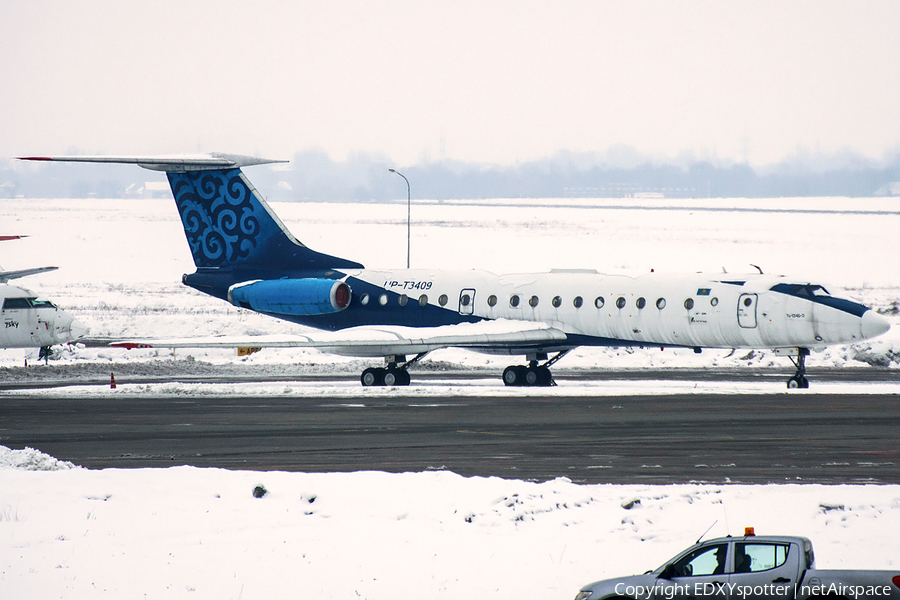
<point>304,297</point>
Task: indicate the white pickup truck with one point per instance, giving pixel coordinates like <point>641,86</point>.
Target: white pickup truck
<point>735,568</point>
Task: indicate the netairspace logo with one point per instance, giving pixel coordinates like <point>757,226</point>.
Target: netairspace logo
<point>736,590</point>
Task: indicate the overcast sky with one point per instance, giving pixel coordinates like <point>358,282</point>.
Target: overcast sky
<point>497,82</point>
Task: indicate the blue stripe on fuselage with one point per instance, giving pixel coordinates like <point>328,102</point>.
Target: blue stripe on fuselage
<point>216,282</point>
<point>807,292</point>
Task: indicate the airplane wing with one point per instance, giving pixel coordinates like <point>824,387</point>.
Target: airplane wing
<point>5,276</point>
<point>385,341</point>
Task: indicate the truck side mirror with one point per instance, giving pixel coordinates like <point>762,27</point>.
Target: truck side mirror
<point>668,572</point>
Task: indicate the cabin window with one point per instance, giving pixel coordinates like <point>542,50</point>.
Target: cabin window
<point>577,302</point>
<point>533,301</point>
<point>661,303</point>
<point>464,300</point>
<point>514,300</point>
<point>364,299</point>
<point>403,299</point>
<point>689,303</point>
<point>556,302</point>
<point>599,302</point>
<point>748,301</point>
<point>620,302</point>
<point>714,301</point>
<point>383,299</point>
<point>443,300</point>
<point>423,300</point>
<point>492,300</point>
<point>641,303</point>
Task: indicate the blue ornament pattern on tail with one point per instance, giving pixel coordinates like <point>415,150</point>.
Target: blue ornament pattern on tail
<point>218,214</point>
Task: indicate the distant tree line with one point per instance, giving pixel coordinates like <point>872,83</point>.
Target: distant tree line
<point>313,176</point>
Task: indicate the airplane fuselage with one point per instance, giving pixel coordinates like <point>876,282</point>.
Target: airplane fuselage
<point>656,309</point>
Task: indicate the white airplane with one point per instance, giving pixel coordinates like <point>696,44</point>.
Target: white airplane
<point>246,256</point>
<point>29,320</point>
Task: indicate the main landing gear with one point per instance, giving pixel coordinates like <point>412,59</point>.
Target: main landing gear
<point>533,374</point>
<point>799,380</point>
<point>392,375</point>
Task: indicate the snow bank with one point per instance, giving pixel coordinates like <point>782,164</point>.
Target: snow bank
<point>30,459</point>
<point>186,532</point>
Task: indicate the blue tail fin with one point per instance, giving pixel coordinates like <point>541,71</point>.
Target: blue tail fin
<point>228,224</point>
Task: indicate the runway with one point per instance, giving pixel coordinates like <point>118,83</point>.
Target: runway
<point>672,438</point>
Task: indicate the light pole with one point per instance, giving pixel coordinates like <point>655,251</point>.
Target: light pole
<point>408,214</point>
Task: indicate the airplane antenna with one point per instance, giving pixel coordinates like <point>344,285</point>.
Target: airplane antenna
<point>707,531</point>
<point>757,268</point>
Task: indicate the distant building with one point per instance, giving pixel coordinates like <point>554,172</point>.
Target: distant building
<point>889,189</point>
<point>149,189</point>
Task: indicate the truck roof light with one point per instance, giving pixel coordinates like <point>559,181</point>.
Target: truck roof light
<point>748,531</point>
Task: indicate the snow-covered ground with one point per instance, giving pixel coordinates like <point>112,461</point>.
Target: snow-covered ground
<point>200,533</point>
<point>185,532</point>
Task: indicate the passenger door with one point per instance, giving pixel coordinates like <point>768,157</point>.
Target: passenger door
<point>766,570</point>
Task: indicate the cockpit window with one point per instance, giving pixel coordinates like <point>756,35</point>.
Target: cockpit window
<point>42,304</point>
<point>17,303</point>
<point>819,295</point>
<point>801,291</point>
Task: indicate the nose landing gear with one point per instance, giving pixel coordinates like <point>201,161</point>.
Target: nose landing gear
<point>799,380</point>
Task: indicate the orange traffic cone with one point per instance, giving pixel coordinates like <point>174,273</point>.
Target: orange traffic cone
<point>112,381</point>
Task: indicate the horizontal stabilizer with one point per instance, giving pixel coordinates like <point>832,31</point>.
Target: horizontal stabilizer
<point>168,163</point>
<point>5,276</point>
<point>380,341</point>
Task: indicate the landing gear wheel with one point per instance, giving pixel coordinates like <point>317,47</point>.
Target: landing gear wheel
<point>393,377</point>
<point>372,376</point>
<point>379,377</point>
<point>538,376</point>
<point>798,382</point>
<point>522,376</point>
<point>511,375</point>
<point>396,373</point>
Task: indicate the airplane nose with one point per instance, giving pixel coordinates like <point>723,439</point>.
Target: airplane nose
<point>78,329</point>
<point>873,324</point>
